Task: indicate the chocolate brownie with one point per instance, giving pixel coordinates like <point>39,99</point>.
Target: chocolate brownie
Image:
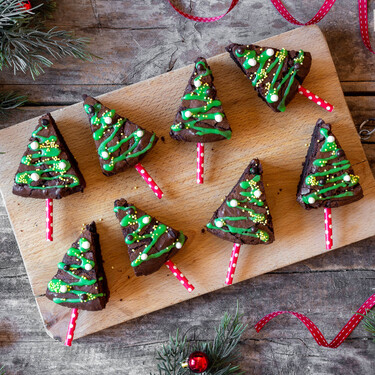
<point>274,73</point>
<point>120,143</point>
<point>150,243</point>
<point>48,168</point>
<point>80,281</point>
<point>327,179</point>
<point>200,117</point>
<point>244,216</point>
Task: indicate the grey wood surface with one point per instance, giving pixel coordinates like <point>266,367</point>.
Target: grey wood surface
<point>141,39</point>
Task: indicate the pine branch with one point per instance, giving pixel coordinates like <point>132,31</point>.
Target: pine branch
<point>2,371</point>
<point>11,100</point>
<point>369,323</point>
<point>25,45</point>
<point>219,351</point>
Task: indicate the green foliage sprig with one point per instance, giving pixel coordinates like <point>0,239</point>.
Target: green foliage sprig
<point>11,100</point>
<point>369,323</point>
<point>220,350</point>
<point>27,46</point>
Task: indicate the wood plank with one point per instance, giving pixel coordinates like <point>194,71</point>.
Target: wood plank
<point>281,172</point>
<point>134,26</point>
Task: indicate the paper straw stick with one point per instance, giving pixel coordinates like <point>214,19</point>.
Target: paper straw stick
<point>151,183</point>
<point>176,272</point>
<point>200,161</point>
<point>328,228</point>
<point>71,328</point>
<point>315,98</point>
<point>233,263</point>
<point>49,219</point>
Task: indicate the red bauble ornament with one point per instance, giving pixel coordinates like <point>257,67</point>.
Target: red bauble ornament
<point>26,5</point>
<point>198,362</point>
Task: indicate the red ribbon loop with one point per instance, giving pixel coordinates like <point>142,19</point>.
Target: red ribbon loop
<point>204,19</point>
<point>318,336</point>
<point>322,12</point>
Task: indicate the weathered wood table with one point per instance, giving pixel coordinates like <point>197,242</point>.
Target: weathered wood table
<point>141,39</point>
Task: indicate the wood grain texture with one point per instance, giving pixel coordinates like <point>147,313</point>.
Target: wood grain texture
<point>337,282</point>
<point>256,133</point>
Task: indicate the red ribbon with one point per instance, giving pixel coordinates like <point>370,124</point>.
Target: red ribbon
<point>322,12</point>
<point>204,19</point>
<point>318,336</point>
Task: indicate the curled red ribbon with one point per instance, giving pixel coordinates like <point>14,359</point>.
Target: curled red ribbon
<point>322,12</point>
<point>204,19</point>
<point>314,330</point>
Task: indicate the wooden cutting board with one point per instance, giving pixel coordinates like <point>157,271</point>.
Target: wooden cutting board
<point>278,139</point>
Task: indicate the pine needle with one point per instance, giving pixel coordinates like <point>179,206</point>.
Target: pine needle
<point>11,100</point>
<point>369,323</point>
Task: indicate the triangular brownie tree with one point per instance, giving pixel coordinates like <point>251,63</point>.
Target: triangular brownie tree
<point>80,281</point>
<point>200,118</point>
<point>120,143</point>
<point>275,74</point>
<point>150,243</point>
<point>327,179</point>
<point>48,168</point>
<point>244,216</point>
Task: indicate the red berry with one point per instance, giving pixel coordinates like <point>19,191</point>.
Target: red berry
<point>26,5</point>
<point>198,362</point>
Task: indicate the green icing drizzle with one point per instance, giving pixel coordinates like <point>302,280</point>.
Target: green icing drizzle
<point>46,161</point>
<point>200,113</point>
<point>266,66</point>
<point>157,231</point>
<point>252,197</point>
<point>104,151</point>
<point>60,286</point>
<point>343,181</point>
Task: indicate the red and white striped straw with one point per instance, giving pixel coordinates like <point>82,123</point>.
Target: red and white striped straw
<point>315,98</point>
<point>151,183</point>
<point>71,328</point>
<point>233,263</point>
<point>328,228</point>
<point>176,272</point>
<point>49,219</point>
<point>200,161</point>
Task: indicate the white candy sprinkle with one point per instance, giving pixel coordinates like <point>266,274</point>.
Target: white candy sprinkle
<point>270,52</point>
<point>257,193</point>
<point>34,176</point>
<point>197,83</point>
<point>34,145</point>
<point>218,118</point>
<point>140,133</point>
<point>144,256</point>
<point>233,203</point>
<point>311,200</point>
<point>105,154</point>
<point>63,289</point>
<point>252,62</point>
<point>274,98</point>
<point>219,224</point>
<point>62,165</point>
<point>178,245</point>
<point>188,114</point>
<point>146,220</point>
<point>85,245</point>
<point>108,120</point>
<point>88,267</point>
<point>330,138</point>
<point>347,178</point>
